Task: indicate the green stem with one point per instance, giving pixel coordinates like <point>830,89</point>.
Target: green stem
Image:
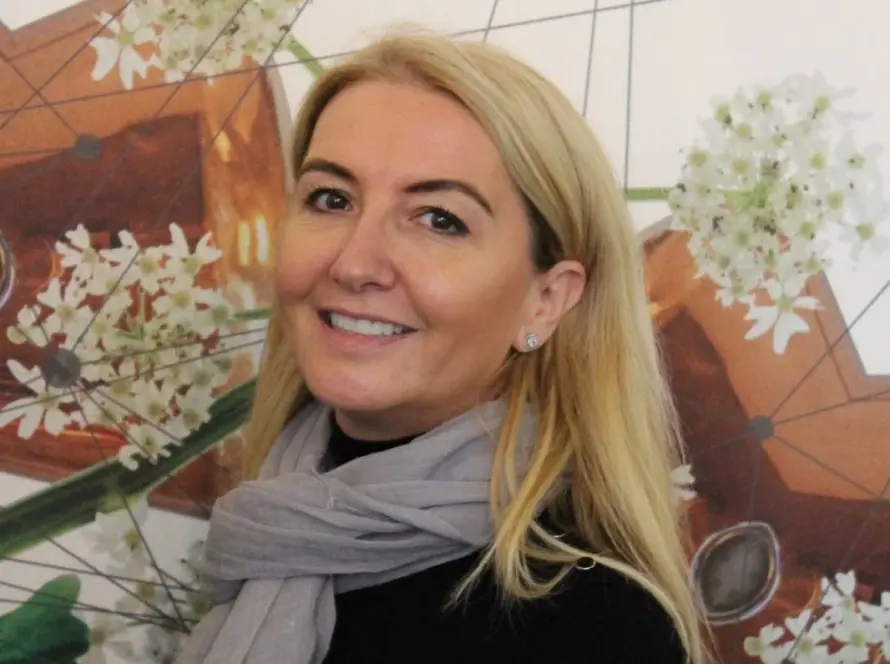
<point>302,54</point>
<point>638,194</point>
<point>73,502</point>
<point>253,314</point>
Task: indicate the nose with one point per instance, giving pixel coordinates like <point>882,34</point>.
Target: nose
<point>363,261</point>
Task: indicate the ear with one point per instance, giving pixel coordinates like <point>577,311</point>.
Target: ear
<point>553,294</point>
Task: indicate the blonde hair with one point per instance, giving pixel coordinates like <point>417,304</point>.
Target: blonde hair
<point>607,425</point>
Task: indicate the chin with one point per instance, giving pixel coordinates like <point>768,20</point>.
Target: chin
<point>351,392</point>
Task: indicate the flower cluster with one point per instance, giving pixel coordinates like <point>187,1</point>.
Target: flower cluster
<point>183,37</point>
<point>147,347</point>
<point>842,630</point>
<point>149,621</point>
<point>777,179</point>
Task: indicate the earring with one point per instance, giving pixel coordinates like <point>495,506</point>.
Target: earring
<point>532,341</point>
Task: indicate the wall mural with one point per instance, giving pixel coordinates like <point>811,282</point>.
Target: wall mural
<point>142,172</point>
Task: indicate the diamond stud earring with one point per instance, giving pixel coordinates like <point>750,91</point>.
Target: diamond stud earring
<point>532,341</point>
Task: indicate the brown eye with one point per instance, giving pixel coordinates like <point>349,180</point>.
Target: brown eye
<point>327,200</point>
<point>444,222</point>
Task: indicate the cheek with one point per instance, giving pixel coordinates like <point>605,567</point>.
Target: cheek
<point>297,268</point>
<point>483,300</point>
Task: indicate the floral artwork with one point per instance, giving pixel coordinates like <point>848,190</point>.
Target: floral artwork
<point>777,180</point>
<point>842,629</point>
<point>131,324</point>
<point>154,345</point>
<point>184,38</point>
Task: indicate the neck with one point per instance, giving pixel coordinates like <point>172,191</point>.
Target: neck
<point>395,423</point>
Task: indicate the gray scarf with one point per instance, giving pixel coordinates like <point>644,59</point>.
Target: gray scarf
<point>279,548</point>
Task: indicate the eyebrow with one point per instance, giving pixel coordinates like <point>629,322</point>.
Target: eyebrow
<point>422,187</point>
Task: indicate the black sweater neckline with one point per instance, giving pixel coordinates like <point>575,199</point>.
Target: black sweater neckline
<point>343,448</point>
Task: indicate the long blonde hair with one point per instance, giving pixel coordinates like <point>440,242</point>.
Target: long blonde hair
<point>606,418</point>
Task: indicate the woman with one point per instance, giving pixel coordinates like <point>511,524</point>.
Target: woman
<point>461,433</point>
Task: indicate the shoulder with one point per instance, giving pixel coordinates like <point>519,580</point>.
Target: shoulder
<point>628,622</point>
<point>598,610</point>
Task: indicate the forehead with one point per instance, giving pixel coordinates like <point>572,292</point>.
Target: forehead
<point>398,130</point>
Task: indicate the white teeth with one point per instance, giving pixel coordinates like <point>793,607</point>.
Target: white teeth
<point>369,328</point>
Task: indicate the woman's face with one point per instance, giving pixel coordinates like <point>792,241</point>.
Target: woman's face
<point>404,268</point>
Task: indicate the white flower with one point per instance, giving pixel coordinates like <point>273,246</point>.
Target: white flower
<point>878,616</point>
<point>118,534</point>
<point>151,355</point>
<point>78,253</point>
<point>108,631</point>
<point>809,637</point>
<point>684,482</point>
<point>43,407</point>
<point>767,188</point>
<point>119,50</point>
<point>838,598</point>
<point>68,313</point>
<point>857,636</point>
<point>146,441</point>
<point>765,645</point>
<point>26,329</point>
<point>781,316</point>
<point>185,264</point>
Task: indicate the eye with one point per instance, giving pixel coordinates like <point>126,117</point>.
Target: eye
<point>327,200</point>
<point>444,222</point>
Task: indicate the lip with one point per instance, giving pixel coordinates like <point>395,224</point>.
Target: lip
<point>356,345</point>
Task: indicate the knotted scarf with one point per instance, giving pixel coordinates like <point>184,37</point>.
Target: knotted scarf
<point>280,547</point>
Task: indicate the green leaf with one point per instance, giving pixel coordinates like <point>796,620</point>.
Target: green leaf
<point>302,54</point>
<point>253,314</point>
<point>43,629</point>
<point>638,194</point>
<point>74,501</point>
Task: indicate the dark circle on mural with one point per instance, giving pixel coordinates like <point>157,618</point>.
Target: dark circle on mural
<point>737,571</point>
<point>761,428</point>
<point>60,367</point>
<point>88,147</point>
<point>7,272</point>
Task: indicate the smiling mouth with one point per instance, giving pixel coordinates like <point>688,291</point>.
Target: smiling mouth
<point>362,326</point>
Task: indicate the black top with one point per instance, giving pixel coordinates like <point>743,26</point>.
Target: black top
<point>597,617</point>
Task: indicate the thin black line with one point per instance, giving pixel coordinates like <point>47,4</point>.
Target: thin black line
<point>494,9</point>
<point>333,56</point>
<point>758,459</point>
<point>172,479</point>
<point>149,371</point>
<point>830,348</point>
<point>105,359</point>
<point>80,606</point>
<point>196,168</point>
<point>157,427</point>
<point>726,442</point>
<point>834,360</point>
<point>138,618</point>
<point>111,358</point>
<point>88,564</point>
<point>824,409</point>
<point>86,572</point>
<point>32,153</point>
<point>593,18</point>
<point>81,49</point>
<point>720,413</point>
<point>76,218</point>
<point>824,466</point>
<point>879,500</point>
<point>630,68</point>
<point>37,92</point>
<point>125,500</point>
